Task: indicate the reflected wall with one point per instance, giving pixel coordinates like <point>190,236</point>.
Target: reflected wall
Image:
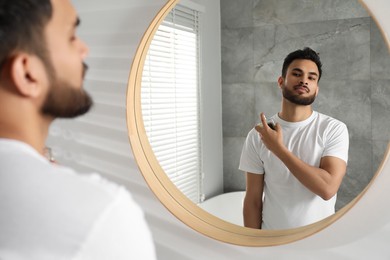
<point>256,35</point>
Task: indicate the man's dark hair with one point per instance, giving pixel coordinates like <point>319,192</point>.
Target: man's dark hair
<point>22,24</point>
<point>305,54</point>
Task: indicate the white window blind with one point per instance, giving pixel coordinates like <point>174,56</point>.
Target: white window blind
<point>170,99</point>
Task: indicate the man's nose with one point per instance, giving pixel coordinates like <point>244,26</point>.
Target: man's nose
<point>303,81</point>
<point>83,49</point>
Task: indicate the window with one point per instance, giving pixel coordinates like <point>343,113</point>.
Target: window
<point>170,98</point>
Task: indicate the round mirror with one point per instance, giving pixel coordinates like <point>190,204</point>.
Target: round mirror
<point>288,34</point>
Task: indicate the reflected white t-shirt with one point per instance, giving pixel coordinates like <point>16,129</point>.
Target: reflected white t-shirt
<point>50,212</point>
<point>287,203</point>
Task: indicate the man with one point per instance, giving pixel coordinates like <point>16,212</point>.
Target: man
<point>293,172</point>
<point>49,211</point>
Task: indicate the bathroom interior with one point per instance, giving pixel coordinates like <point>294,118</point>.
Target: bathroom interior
<point>255,36</point>
<point>243,44</point>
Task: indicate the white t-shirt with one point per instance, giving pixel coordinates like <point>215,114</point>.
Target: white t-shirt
<point>287,203</point>
<point>50,212</point>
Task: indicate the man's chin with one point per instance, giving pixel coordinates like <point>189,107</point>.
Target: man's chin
<point>299,99</point>
<point>70,106</point>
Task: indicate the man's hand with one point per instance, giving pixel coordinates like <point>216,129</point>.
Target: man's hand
<point>272,139</point>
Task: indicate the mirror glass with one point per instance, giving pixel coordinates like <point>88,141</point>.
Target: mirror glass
<point>253,37</point>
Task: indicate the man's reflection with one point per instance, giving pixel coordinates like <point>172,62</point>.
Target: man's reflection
<point>293,173</point>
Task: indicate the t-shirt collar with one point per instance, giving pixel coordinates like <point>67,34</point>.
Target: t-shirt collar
<point>284,123</point>
<point>15,145</point>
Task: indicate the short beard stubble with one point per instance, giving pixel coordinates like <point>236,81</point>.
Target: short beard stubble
<point>296,98</point>
<point>64,100</point>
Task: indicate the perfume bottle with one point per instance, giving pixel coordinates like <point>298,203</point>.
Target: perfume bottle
<point>270,123</point>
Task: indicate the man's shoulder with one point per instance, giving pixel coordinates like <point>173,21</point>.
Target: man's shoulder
<point>329,120</point>
<point>57,185</point>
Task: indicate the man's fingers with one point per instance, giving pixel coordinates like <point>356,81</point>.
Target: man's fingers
<point>263,120</point>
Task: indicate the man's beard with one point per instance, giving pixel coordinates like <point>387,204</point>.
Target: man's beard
<point>296,98</point>
<point>64,100</point>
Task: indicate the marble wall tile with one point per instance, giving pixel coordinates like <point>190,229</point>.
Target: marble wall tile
<point>238,106</point>
<point>344,47</point>
<point>379,149</point>
<point>380,54</point>
<point>268,58</point>
<point>268,97</point>
<point>237,55</point>
<point>359,171</point>
<point>304,11</point>
<point>380,109</point>
<point>234,179</point>
<point>236,14</point>
<point>349,101</point>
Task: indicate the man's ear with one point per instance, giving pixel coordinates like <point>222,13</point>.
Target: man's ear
<point>26,72</point>
<point>317,90</point>
<point>280,81</point>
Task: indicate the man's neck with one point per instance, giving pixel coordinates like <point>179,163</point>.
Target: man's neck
<point>294,113</point>
<point>29,130</point>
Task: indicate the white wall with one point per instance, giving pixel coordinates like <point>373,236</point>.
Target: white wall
<point>99,142</point>
<point>211,98</point>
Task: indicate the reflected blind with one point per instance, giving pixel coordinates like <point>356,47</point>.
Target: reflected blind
<point>170,99</point>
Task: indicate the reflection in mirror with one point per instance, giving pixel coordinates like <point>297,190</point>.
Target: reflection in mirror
<point>354,58</point>
<point>255,37</point>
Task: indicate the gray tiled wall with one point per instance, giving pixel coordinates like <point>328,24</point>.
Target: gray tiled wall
<point>258,34</point>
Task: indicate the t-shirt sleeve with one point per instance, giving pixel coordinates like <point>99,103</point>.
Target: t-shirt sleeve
<point>250,160</point>
<point>337,143</point>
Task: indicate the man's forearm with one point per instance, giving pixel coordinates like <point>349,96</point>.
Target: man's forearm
<point>318,180</point>
<point>252,216</point>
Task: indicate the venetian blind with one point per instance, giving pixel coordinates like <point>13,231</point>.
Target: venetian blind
<point>170,99</point>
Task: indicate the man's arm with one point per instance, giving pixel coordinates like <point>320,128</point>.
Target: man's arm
<point>324,180</point>
<point>253,201</point>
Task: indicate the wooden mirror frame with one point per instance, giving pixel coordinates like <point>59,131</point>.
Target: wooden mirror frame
<point>173,199</point>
